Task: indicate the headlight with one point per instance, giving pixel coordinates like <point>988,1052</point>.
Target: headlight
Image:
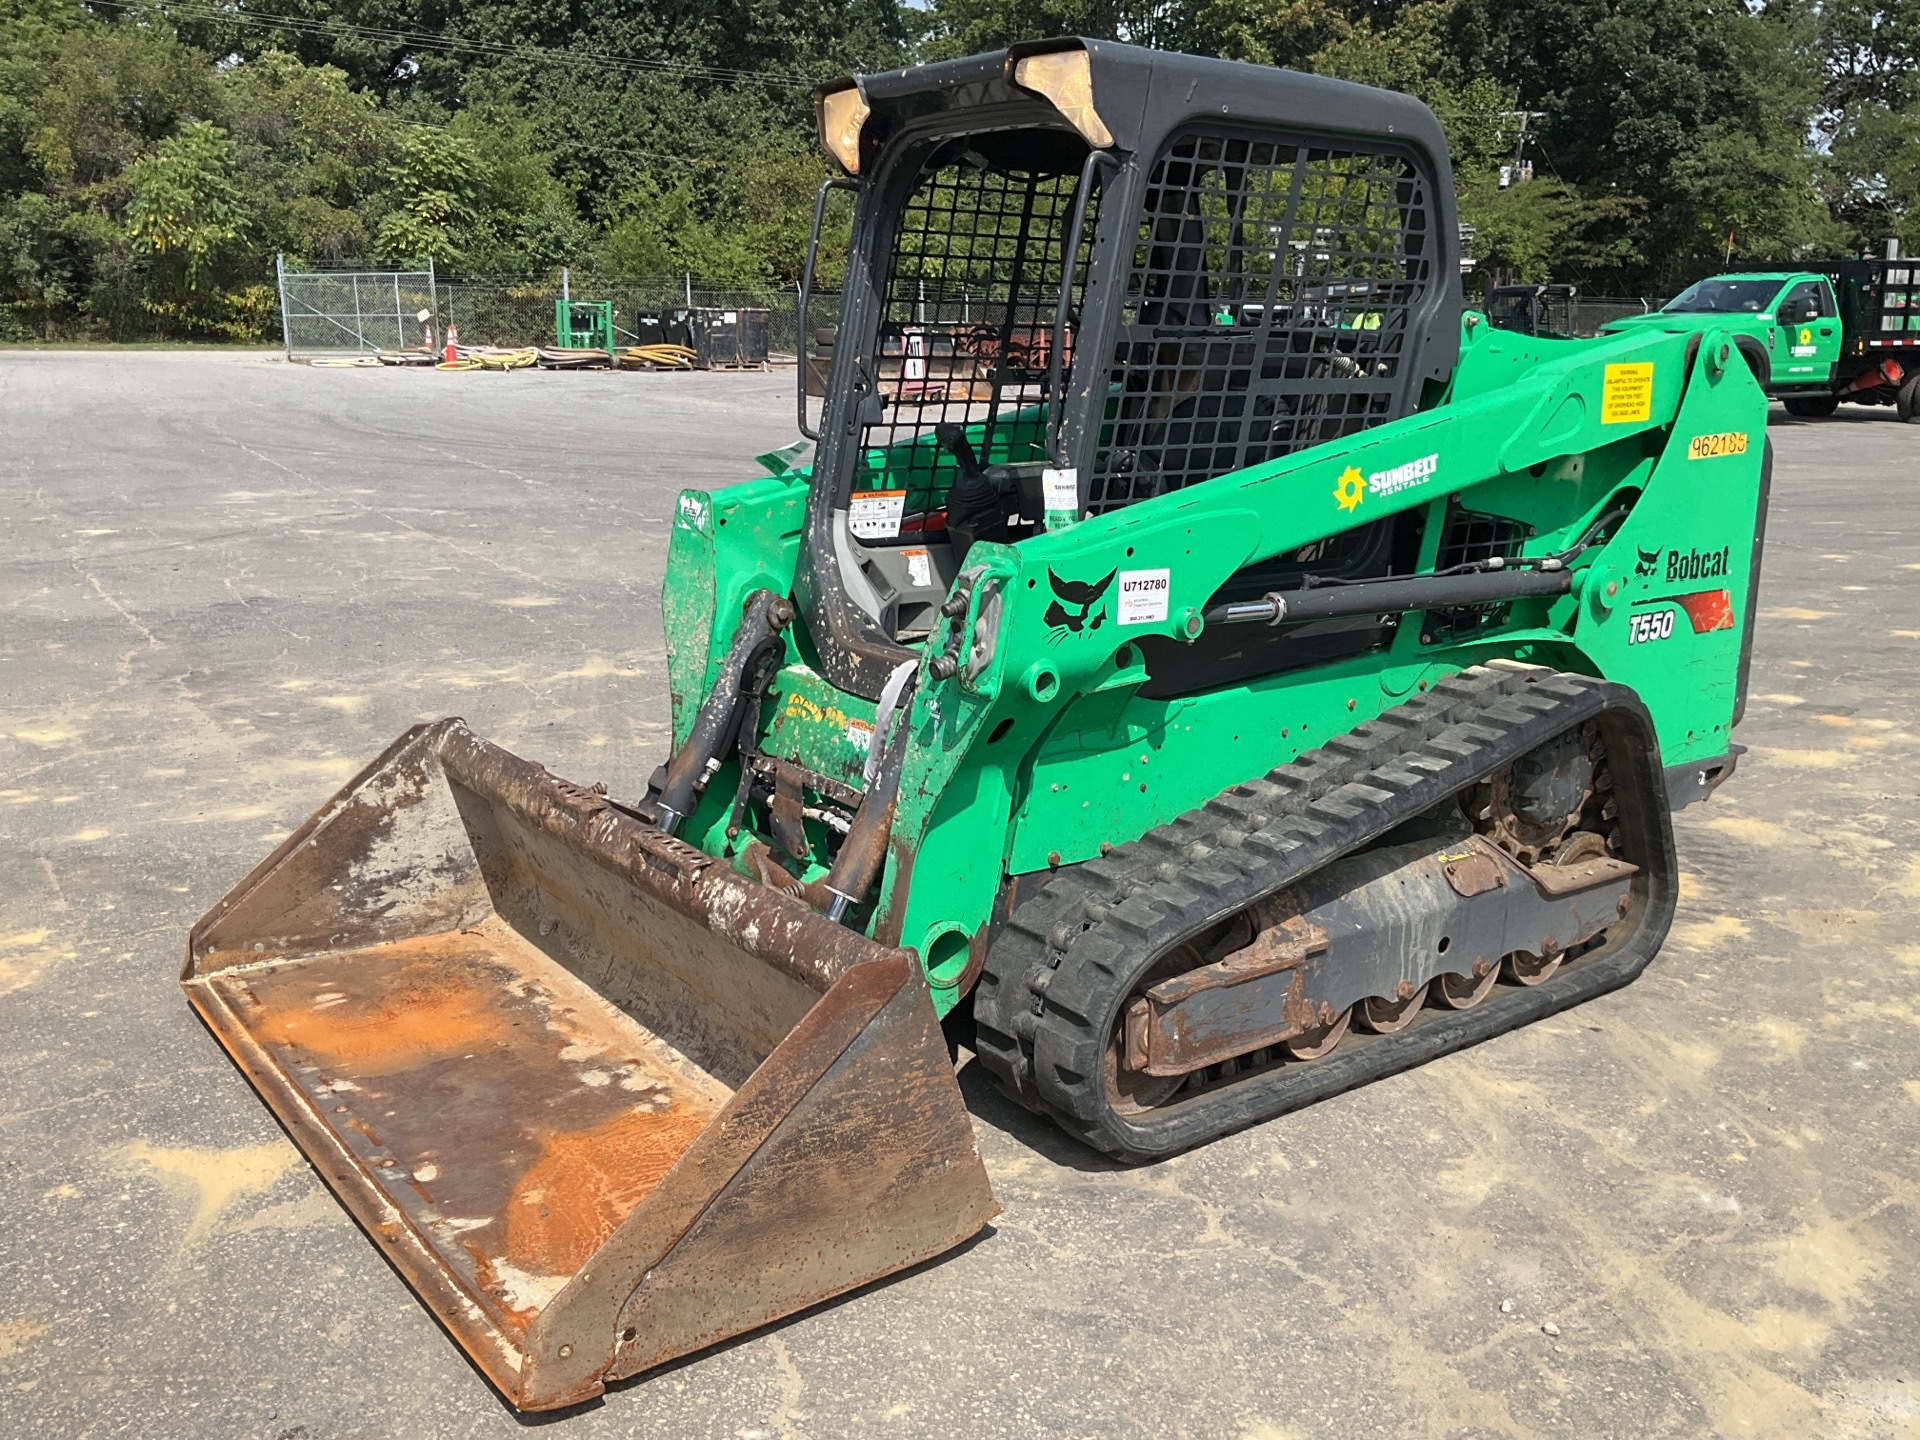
<point>841,115</point>
<point>1066,78</point>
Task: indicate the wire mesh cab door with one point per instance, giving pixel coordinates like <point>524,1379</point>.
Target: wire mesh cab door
<point>966,290</point>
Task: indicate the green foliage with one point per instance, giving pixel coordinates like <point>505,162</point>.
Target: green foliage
<point>1265,32</point>
<point>1871,176</point>
<point>150,171</point>
<point>659,232</point>
<point>152,163</point>
<point>967,27</point>
<point>433,186</point>
<point>1697,110</point>
<point>1869,115</point>
<point>305,147</point>
<point>1410,54</point>
<point>184,204</point>
<point>1544,229</point>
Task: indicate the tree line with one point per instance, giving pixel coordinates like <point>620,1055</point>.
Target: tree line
<point>155,156</point>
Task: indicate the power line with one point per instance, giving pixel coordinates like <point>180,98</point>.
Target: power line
<point>420,40</point>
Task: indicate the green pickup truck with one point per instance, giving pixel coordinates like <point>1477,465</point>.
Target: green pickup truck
<point>1848,330</point>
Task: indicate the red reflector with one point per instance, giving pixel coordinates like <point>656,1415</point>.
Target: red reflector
<point>1707,609</point>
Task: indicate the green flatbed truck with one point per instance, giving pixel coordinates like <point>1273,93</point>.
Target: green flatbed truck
<point>1847,330</point>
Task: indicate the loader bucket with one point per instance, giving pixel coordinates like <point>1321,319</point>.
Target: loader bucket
<point>599,1098</point>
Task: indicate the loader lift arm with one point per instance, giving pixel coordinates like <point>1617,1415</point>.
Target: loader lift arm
<point>1567,479</point>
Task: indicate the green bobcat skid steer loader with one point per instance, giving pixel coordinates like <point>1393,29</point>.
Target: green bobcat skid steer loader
<point>1201,672</point>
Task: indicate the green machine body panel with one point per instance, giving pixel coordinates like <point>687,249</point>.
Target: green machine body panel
<point>1056,748</point>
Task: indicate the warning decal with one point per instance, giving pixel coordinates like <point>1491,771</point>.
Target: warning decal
<point>1626,396</point>
<point>875,514</point>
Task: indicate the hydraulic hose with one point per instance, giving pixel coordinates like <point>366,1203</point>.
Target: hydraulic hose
<point>865,848</point>
<point>717,726</point>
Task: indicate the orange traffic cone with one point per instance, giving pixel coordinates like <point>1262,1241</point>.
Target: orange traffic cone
<point>453,342</point>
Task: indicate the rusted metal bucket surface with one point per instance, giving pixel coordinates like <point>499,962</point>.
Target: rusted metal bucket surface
<point>601,1099</point>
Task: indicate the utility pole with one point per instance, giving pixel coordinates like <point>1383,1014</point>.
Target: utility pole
<point>1514,173</point>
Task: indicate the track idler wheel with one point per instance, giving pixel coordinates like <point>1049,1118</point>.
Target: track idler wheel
<point>1381,1016</point>
<point>1524,968</point>
<point>1321,1040</point>
<point>1463,992</point>
<point>1132,1092</point>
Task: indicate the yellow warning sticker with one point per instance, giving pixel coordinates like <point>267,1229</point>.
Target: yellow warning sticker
<point>1627,394</point>
<point>1705,447</point>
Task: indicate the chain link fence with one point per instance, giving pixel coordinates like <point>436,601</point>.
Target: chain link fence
<point>354,312</point>
<point>1589,314</point>
<point>519,311</point>
<point>361,312</point>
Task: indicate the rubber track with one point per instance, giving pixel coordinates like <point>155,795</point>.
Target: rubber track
<point>1067,959</point>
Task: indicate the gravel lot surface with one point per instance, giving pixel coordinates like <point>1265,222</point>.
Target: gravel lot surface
<point>1687,1209</point>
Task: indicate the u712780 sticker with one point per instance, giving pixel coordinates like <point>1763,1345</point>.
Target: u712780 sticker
<point>1143,596</point>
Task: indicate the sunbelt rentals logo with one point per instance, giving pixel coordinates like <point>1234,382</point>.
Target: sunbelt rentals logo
<point>1352,487</point>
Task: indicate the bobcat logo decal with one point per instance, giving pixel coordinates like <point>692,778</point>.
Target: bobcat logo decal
<point>1083,597</point>
<point>1649,561</point>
